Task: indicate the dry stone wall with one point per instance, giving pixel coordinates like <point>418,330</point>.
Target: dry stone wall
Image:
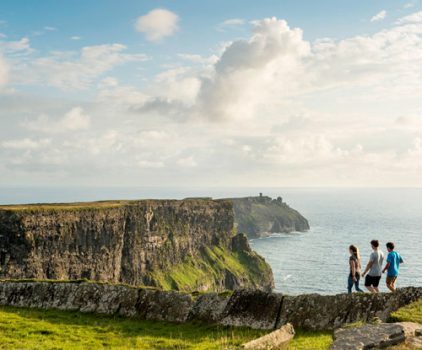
<point>249,308</point>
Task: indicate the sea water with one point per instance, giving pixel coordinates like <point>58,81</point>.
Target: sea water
<point>311,262</point>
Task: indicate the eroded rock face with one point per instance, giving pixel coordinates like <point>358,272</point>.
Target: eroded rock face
<point>136,242</point>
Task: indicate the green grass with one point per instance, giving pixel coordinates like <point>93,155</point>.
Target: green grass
<point>53,329</point>
<point>106,204</point>
<point>307,340</point>
<point>410,313</point>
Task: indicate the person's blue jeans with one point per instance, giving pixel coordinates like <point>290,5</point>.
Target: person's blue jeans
<point>350,284</point>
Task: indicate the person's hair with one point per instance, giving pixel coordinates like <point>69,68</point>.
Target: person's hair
<point>390,245</point>
<point>375,243</point>
<point>355,251</point>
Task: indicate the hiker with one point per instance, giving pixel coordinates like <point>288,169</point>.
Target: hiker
<point>374,266</point>
<point>392,267</point>
<point>355,266</point>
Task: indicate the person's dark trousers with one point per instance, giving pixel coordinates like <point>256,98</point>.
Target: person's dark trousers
<point>350,284</point>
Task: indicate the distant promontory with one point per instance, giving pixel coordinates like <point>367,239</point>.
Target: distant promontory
<point>261,215</point>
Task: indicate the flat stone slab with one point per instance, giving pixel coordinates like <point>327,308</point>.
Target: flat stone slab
<point>368,337</point>
<point>278,339</point>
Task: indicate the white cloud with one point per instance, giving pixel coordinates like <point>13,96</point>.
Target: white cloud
<point>247,70</point>
<point>148,164</point>
<point>21,46</point>
<point>292,112</point>
<point>4,71</point>
<point>230,23</point>
<point>413,18</point>
<point>379,16</point>
<point>69,71</point>
<point>50,28</point>
<point>25,144</point>
<point>75,37</point>
<point>188,162</point>
<point>74,120</point>
<point>157,24</point>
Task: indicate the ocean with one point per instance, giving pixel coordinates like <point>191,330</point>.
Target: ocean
<point>310,262</point>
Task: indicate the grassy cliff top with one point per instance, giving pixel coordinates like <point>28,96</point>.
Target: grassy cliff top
<point>106,204</point>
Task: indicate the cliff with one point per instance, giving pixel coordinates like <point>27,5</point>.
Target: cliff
<point>183,245</point>
<point>257,216</point>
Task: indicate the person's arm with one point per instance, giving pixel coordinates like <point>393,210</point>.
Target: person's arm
<point>368,267</point>
<point>353,269</point>
<point>386,267</point>
<point>388,263</point>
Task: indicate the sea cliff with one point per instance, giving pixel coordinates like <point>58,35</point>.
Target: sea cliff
<point>184,245</point>
<point>262,215</point>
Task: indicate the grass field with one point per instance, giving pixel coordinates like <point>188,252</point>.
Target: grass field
<point>52,329</point>
<point>411,313</point>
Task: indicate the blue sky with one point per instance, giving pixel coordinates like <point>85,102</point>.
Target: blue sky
<point>276,93</point>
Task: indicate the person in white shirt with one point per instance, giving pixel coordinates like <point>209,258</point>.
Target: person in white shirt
<point>374,268</point>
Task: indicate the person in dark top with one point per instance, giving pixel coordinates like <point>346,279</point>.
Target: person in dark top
<point>392,267</point>
<point>355,269</point>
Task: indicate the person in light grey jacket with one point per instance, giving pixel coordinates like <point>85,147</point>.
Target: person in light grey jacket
<point>374,268</point>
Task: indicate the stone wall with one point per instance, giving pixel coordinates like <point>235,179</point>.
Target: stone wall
<point>250,308</point>
<point>148,242</point>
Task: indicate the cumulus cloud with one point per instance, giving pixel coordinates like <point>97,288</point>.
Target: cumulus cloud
<point>157,24</point>
<point>74,120</point>
<point>379,16</point>
<point>247,70</point>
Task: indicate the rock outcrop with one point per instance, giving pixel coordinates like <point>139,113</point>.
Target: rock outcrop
<point>184,245</point>
<point>244,308</point>
<point>262,215</point>
<point>378,336</point>
<point>278,339</point>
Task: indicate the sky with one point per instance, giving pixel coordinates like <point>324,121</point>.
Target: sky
<point>218,93</point>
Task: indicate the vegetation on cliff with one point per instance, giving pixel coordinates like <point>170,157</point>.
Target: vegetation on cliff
<point>238,267</point>
<point>257,216</point>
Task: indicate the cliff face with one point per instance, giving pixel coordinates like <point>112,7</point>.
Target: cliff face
<point>257,216</point>
<point>184,245</point>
